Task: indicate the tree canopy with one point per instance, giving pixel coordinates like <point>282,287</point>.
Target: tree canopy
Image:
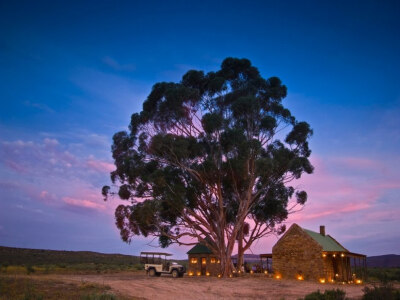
<point>207,155</point>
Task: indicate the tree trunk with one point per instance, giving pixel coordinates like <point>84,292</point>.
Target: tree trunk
<point>240,259</point>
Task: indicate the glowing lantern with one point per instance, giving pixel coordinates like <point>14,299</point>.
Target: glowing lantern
<point>190,273</point>
<point>208,274</point>
<point>277,276</point>
<point>323,254</point>
<point>230,276</point>
<point>251,271</point>
<point>334,255</point>
<point>265,272</point>
<point>358,281</point>
<point>219,275</point>
<point>322,280</point>
<point>342,255</point>
<point>300,277</point>
<point>198,273</point>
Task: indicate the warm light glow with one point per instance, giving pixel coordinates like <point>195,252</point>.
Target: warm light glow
<point>212,260</point>
<point>334,255</point>
<point>265,272</point>
<point>203,261</point>
<point>337,275</point>
<point>299,277</point>
<point>230,276</point>
<point>219,275</point>
<point>277,276</point>
<point>323,255</point>
<point>193,260</point>
<point>322,280</point>
<point>218,261</point>
<point>332,280</point>
<point>198,273</point>
<point>342,255</point>
<point>239,271</point>
<point>251,272</point>
<point>190,273</point>
<point>234,271</point>
<point>208,274</point>
<point>358,281</point>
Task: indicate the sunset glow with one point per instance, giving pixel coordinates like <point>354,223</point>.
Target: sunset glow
<point>67,87</point>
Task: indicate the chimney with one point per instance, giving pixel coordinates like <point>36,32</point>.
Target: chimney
<point>322,230</point>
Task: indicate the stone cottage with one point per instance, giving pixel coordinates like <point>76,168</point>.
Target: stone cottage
<point>307,255</point>
<point>202,262</point>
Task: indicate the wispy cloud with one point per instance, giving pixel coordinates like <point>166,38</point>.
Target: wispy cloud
<point>39,106</point>
<point>117,66</point>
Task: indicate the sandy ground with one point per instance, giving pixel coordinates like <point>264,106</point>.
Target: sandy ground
<point>138,285</point>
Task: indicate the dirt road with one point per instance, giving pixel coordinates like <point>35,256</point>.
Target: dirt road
<point>138,285</point>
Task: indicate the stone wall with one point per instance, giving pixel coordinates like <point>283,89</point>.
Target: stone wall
<point>203,265</point>
<point>296,254</point>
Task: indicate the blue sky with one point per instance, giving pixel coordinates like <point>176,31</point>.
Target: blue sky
<point>73,72</point>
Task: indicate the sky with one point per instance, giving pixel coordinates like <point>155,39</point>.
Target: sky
<point>72,73</point>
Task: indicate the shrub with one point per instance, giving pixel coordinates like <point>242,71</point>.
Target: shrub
<point>327,295</point>
<point>383,292</point>
<point>29,269</point>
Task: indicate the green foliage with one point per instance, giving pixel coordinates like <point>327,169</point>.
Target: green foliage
<point>217,148</point>
<point>327,295</point>
<point>49,261</point>
<point>384,275</point>
<point>29,269</point>
<point>383,292</point>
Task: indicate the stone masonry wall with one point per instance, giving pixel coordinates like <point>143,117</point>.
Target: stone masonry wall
<point>298,254</point>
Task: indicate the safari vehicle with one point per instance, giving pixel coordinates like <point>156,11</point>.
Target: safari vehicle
<point>156,263</point>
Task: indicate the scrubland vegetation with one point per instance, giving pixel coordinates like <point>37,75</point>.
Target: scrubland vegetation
<point>15,288</point>
<point>44,274</point>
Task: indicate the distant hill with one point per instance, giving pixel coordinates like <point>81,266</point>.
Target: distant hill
<point>384,261</point>
<point>22,256</point>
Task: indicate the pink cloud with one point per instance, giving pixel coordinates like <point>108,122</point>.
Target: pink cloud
<point>15,167</point>
<point>100,166</point>
<point>83,203</point>
<point>358,162</point>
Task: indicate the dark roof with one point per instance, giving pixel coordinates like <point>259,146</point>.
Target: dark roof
<point>199,249</point>
<point>325,241</point>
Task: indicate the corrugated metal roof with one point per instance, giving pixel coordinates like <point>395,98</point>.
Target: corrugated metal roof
<point>199,249</point>
<point>327,242</point>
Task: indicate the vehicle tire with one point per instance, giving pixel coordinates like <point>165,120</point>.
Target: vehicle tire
<point>152,272</point>
<point>175,273</point>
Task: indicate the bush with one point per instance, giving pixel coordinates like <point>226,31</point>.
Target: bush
<point>327,295</point>
<point>383,292</point>
<point>29,269</point>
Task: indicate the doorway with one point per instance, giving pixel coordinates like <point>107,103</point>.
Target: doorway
<point>203,266</point>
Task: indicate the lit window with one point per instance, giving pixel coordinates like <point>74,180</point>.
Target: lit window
<point>213,260</point>
<point>203,260</point>
<point>193,260</point>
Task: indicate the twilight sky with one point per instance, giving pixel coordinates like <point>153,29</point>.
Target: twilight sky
<point>72,73</point>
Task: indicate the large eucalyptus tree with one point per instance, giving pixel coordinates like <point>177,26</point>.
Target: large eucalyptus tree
<point>208,155</point>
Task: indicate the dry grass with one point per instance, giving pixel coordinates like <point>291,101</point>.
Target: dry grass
<point>38,287</point>
<point>165,287</point>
